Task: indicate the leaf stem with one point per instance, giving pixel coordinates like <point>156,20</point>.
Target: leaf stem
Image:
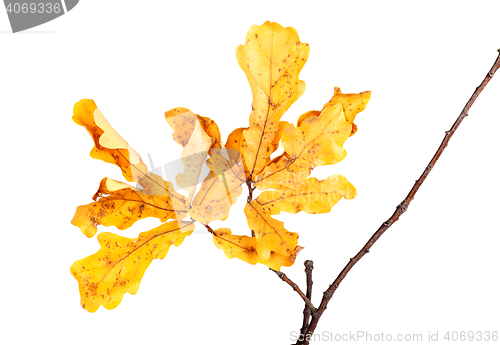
<point>210,230</point>
<point>295,287</point>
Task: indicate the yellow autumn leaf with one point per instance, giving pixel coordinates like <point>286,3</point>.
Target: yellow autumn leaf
<point>317,141</point>
<point>272,58</point>
<point>306,115</point>
<point>182,121</point>
<point>153,184</point>
<point>245,248</point>
<point>237,142</point>
<point>270,233</point>
<point>193,157</point>
<point>236,145</point>
<point>109,146</point>
<point>352,104</point>
<point>124,205</point>
<point>311,196</point>
<point>118,267</point>
<point>220,161</point>
<point>277,136</point>
<point>219,190</point>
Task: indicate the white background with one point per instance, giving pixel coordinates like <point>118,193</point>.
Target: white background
<point>436,269</point>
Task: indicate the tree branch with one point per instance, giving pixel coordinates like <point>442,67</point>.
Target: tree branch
<point>400,209</point>
<point>307,311</point>
<point>294,286</point>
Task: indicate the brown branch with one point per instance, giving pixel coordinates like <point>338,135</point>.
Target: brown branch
<point>401,208</point>
<point>250,196</point>
<point>294,286</point>
<point>307,311</point>
<point>250,189</point>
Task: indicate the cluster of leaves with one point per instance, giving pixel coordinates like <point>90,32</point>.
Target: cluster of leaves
<point>272,58</point>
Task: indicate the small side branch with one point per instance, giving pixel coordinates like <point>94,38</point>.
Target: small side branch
<point>401,208</point>
<point>307,312</point>
<point>294,286</point>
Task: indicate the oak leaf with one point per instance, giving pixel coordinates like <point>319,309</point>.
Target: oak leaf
<point>311,196</point>
<point>183,122</point>
<point>272,58</point>
<point>109,146</point>
<point>193,157</point>
<point>245,248</point>
<point>352,104</point>
<point>118,267</point>
<point>236,144</point>
<point>122,205</point>
<point>219,190</point>
<point>270,233</point>
<point>317,141</point>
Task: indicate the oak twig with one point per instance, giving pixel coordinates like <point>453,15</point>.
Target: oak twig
<point>400,209</point>
<point>307,312</point>
<point>294,286</point>
<point>250,196</point>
